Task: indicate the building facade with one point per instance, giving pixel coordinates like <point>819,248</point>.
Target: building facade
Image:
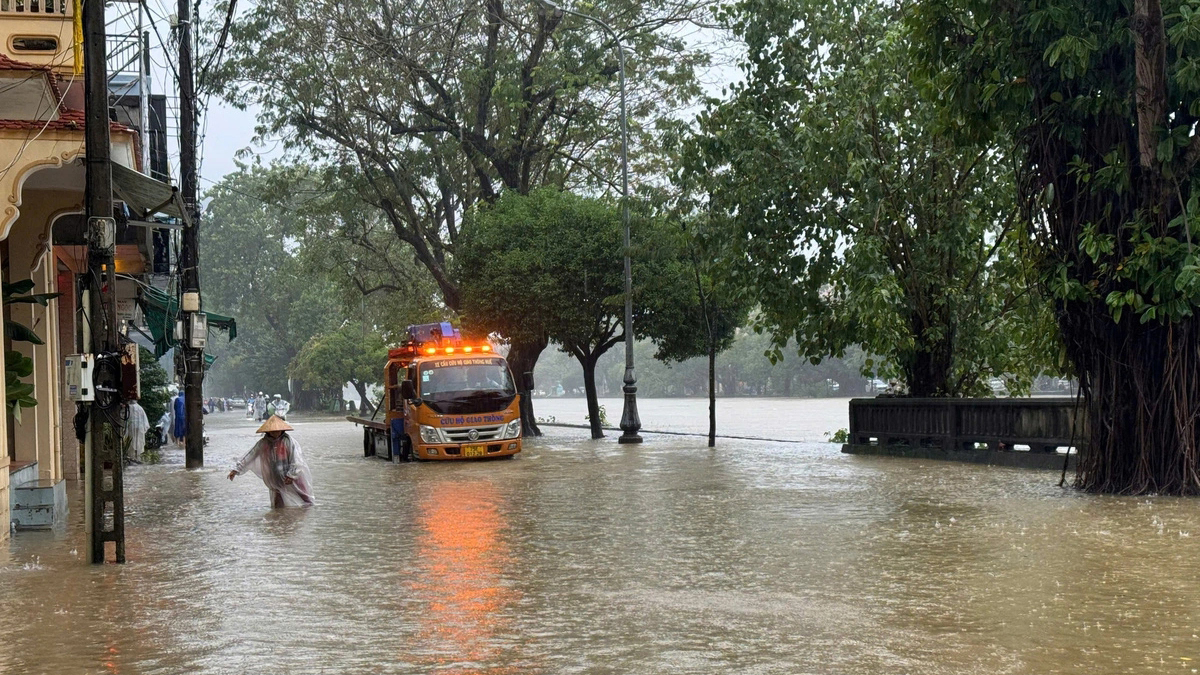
<point>42,227</point>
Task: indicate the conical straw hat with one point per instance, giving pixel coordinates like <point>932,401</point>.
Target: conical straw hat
<point>276,423</point>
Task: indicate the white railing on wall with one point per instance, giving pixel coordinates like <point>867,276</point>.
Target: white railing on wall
<point>35,7</point>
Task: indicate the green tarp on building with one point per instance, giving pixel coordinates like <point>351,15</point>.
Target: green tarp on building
<point>162,311</point>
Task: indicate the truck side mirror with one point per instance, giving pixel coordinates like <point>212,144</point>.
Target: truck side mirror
<point>407,391</point>
<point>527,381</point>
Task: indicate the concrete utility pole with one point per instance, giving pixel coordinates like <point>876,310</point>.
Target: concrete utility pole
<point>193,345</point>
<point>104,503</point>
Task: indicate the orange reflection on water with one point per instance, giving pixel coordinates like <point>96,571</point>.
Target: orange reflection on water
<point>110,664</point>
<point>462,560</point>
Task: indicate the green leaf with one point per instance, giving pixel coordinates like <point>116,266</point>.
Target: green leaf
<point>38,299</point>
<point>18,332</point>
<point>18,288</point>
<point>17,363</point>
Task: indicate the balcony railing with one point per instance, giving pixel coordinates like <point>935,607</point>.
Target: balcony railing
<point>36,7</point>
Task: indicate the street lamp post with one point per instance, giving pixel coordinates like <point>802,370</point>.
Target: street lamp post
<point>630,422</point>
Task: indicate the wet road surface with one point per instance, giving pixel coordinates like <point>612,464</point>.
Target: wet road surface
<point>584,556</point>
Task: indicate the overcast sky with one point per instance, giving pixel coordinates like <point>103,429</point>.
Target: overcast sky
<point>229,130</point>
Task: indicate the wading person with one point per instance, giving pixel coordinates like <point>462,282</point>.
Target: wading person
<point>277,460</point>
<point>136,426</point>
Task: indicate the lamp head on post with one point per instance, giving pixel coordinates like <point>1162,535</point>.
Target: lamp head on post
<point>558,11</point>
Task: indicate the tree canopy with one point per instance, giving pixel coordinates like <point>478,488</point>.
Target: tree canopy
<point>296,291</point>
<point>851,218</point>
<point>551,264</point>
<point>349,354</point>
<point>425,108</point>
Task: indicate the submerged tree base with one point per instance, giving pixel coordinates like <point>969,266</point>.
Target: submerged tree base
<point>1143,400</point>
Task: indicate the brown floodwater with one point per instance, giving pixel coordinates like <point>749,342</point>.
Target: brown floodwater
<point>585,556</point>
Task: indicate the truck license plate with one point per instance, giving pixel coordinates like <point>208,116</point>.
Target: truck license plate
<point>473,451</point>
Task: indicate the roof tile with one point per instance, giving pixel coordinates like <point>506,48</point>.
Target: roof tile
<point>69,119</point>
<point>7,63</point>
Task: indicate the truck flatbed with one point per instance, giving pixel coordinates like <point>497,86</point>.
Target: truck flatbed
<point>373,424</point>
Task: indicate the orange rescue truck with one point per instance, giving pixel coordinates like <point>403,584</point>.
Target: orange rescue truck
<point>444,398</point>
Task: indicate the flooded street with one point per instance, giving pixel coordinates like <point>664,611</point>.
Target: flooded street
<point>585,556</point>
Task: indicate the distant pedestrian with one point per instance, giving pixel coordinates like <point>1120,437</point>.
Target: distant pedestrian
<point>276,459</point>
<point>260,407</point>
<point>179,420</point>
<point>166,431</point>
<point>136,426</point>
<point>280,406</point>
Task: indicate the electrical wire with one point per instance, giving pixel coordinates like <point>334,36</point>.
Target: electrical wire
<point>218,53</point>
<point>29,140</point>
<point>162,43</point>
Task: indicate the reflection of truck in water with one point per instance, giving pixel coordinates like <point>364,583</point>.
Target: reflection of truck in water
<point>444,398</point>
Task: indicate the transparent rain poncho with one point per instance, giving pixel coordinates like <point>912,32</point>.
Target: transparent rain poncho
<point>136,427</point>
<point>280,465</point>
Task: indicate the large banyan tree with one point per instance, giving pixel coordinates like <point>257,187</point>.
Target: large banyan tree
<point>1102,98</point>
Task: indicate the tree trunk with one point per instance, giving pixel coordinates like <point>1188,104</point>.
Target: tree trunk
<point>1151,67</point>
<point>928,371</point>
<point>522,358</point>
<point>366,410</point>
<point>712,394</point>
<point>589,387</point>
<point>1141,383</point>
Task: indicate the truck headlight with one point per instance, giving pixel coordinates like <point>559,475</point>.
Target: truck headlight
<point>513,429</point>
<point>431,434</point>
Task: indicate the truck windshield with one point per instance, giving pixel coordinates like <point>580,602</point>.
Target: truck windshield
<point>458,379</point>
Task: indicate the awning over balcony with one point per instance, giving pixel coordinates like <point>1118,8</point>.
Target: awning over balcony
<point>161,312</point>
<point>146,196</point>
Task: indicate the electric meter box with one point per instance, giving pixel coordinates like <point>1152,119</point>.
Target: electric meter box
<point>199,330</point>
<point>79,371</point>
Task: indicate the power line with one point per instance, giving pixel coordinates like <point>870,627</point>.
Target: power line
<point>28,140</point>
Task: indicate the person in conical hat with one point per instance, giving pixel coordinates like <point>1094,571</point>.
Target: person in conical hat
<point>276,459</point>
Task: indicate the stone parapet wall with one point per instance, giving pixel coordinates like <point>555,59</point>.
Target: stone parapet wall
<point>1031,432</point>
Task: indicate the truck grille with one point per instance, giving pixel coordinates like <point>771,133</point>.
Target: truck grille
<point>462,434</point>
